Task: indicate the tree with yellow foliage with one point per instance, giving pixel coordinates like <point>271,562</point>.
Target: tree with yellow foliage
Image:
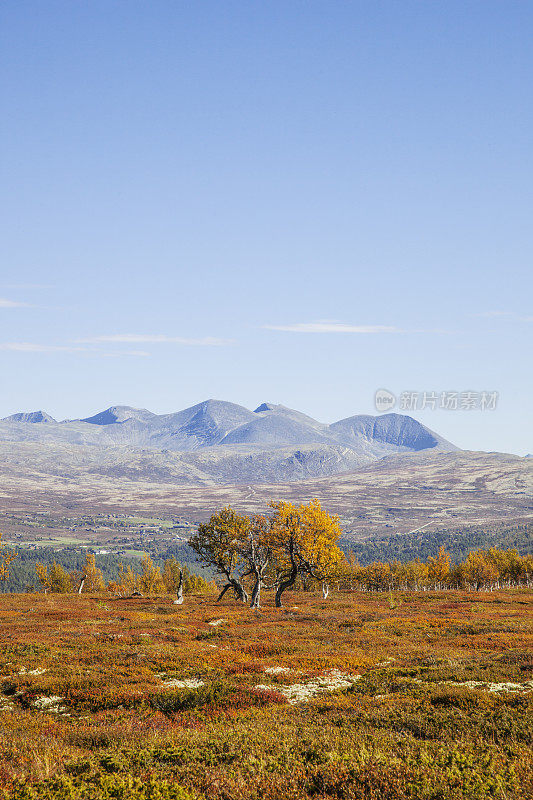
<point>439,569</point>
<point>126,583</point>
<point>378,577</point>
<point>5,561</point>
<point>172,575</point>
<point>303,540</point>
<point>478,570</point>
<point>238,548</point>
<point>92,579</point>
<point>55,580</point>
<point>150,580</point>
<point>508,563</point>
<point>219,544</point>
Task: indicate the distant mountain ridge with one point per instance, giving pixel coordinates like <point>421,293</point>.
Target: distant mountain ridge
<point>31,416</point>
<point>231,442</point>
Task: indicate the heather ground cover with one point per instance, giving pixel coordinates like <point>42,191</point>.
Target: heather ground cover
<point>364,695</point>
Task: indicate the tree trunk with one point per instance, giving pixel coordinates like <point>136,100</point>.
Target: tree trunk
<point>179,599</point>
<point>325,591</point>
<point>286,584</point>
<point>256,591</point>
<point>223,592</point>
<point>239,590</point>
<point>80,590</point>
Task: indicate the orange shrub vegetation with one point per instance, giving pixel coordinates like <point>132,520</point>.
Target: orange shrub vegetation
<point>389,696</point>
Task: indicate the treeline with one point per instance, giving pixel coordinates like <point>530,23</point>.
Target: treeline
<point>23,577</point>
<point>458,543</point>
<point>482,569</point>
<point>297,547</point>
<point>21,574</point>
<point>291,547</point>
<point>173,578</point>
<point>146,578</point>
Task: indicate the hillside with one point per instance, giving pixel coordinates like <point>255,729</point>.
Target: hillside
<point>383,475</point>
<point>457,542</point>
<point>396,495</point>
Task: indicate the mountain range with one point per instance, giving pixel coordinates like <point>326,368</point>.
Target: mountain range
<point>214,441</point>
<point>383,474</point>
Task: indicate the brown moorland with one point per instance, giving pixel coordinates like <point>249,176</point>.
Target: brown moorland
<point>440,491</point>
<point>365,695</point>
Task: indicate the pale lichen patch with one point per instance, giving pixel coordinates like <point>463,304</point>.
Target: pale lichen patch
<point>38,671</point>
<point>187,683</point>
<point>494,687</point>
<point>304,692</point>
<point>180,683</point>
<point>51,703</point>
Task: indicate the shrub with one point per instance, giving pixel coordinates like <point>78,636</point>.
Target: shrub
<point>105,787</point>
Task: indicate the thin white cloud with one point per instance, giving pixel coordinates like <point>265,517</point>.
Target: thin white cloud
<point>140,338</point>
<point>118,354</point>
<point>5,303</point>
<point>332,327</point>
<point>34,347</point>
<point>505,314</point>
<point>492,314</point>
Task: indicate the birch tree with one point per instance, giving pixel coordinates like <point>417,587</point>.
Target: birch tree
<point>219,545</point>
<point>304,543</point>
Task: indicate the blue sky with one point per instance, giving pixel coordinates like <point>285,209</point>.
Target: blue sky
<point>295,202</point>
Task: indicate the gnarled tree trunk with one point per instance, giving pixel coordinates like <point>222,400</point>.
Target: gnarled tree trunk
<point>289,581</point>
<point>238,589</point>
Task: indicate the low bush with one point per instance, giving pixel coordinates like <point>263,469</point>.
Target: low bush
<point>105,787</point>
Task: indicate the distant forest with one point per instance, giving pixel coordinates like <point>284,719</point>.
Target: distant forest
<point>23,578</point>
<point>458,543</point>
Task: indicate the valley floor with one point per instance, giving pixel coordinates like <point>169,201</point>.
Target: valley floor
<point>378,696</point>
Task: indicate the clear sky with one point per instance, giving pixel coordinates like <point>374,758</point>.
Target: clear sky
<point>295,202</point>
